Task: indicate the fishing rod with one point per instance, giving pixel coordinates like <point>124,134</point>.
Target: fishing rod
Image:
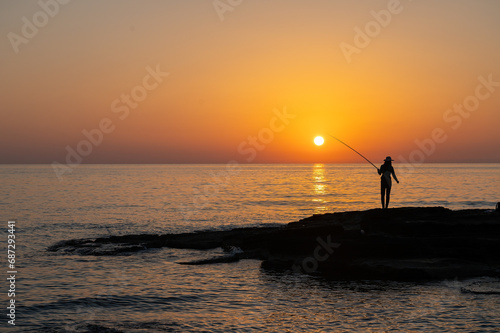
<point>354,151</point>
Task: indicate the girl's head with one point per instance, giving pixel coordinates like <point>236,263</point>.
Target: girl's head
<point>388,160</point>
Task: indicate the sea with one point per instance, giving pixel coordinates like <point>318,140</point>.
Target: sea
<point>149,291</point>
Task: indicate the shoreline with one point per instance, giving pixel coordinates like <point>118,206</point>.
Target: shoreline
<point>408,243</point>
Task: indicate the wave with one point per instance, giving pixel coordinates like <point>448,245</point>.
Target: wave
<point>235,254</point>
<point>112,301</point>
<point>100,326</point>
<point>484,286</point>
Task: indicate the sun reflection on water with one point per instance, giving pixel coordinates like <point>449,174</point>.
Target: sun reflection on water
<point>319,188</point>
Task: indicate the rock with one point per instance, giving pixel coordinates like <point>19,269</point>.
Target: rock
<point>400,244</point>
<point>215,260</point>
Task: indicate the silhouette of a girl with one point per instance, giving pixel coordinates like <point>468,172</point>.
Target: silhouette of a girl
<point>386,170</point>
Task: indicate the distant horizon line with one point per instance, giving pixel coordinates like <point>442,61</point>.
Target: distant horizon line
<point>264,163</point>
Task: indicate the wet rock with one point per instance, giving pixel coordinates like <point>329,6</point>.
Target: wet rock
<point>399,243</point>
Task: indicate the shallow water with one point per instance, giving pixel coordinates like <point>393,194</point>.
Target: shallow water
<point>149,292</point>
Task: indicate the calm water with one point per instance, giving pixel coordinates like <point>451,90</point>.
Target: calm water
<point>150,292</point>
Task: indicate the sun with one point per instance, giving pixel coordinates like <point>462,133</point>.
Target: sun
<point>319,140</point>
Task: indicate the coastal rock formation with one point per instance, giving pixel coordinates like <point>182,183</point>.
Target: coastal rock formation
<point>398,244</point>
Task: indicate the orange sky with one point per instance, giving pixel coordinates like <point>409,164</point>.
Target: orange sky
<point>233,69</point>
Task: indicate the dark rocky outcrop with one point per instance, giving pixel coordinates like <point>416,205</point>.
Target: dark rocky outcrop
<point>399,243</point>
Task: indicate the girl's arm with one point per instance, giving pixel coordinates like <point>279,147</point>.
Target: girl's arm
<point>394,175</point>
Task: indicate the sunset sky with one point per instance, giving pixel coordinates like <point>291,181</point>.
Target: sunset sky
<point>250,81</point>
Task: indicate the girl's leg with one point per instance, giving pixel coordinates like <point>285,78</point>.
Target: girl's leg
<point>382,194</point>
<point>388,197</point>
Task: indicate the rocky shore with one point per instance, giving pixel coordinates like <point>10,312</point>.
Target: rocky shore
<point>397,244</point>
